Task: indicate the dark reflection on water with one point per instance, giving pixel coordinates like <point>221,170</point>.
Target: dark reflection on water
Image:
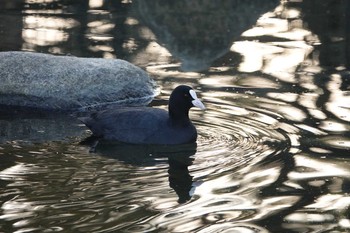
<point>177,157</point>
<point>273,146</point>
<point>179,26</point>
<point>34,126</point>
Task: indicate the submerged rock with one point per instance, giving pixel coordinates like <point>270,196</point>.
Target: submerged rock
<point>199,32</point>
<point>65,83</point>
<point>38,127</point>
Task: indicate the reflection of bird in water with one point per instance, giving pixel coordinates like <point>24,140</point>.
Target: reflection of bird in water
<point>178,156</point>
<point>179,176</point>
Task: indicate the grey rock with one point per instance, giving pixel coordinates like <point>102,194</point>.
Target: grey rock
<point>67,83</point>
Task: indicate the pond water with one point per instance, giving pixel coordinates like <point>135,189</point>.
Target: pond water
<point>273,147</point>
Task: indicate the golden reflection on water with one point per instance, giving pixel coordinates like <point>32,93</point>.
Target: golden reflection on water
<point>45,31</point>
<point>95,3</point>
<point>339,101</point>
<point>278,59</point>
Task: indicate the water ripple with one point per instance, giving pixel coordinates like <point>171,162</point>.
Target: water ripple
<point>155,187</point>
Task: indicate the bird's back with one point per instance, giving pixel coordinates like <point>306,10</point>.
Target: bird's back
<point>133,125</point>
<point>139,125</point>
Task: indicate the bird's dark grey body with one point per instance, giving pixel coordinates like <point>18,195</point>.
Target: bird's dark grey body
<point>140,125</point>
<point>146,125</point>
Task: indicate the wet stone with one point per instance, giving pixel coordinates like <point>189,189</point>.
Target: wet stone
<point>67,83</point>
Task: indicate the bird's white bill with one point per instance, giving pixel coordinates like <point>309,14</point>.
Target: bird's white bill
<point>196,102</point>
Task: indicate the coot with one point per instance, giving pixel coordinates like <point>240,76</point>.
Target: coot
<point>146,125</point>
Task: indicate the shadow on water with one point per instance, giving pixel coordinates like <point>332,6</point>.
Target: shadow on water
<point>36,126</point>
<point>179,158</point>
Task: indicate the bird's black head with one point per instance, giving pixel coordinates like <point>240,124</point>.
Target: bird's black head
<point>181,100</point>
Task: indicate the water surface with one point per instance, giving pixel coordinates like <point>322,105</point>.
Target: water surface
<point>273,146</point>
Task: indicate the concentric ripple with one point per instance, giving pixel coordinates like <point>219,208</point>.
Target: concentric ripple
<point>232,142</point>
<point>234,135</point>
<point>60,186</point>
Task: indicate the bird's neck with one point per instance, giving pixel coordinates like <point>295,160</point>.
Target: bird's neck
<point>179,117</point>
